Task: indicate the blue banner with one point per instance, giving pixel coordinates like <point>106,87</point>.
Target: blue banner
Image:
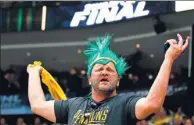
<point>89,14</point>
<point>16,104</point>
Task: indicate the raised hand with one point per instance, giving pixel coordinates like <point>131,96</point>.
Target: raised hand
<point>176,47</point>
<point>32,68</point>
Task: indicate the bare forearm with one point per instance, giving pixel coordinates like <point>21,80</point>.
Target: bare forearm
<point>157,93</point>
<point>35,92</point>
<point>39,105</point>
<point>159,88</point>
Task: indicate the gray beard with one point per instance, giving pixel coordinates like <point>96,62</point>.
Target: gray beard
<point>106,92</point>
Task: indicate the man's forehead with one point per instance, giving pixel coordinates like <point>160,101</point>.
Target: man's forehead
<point>110,64</point>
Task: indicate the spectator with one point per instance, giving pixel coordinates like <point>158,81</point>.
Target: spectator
<point>192,119</point>
<point>11,85</point>
<point>177,120</point>
<point>23,79</point>
<point>37,121</point>
<point>144,122</point>
<point>188,121</point>
<point>3,121</point>
<point>74,82</point>
<point>85,85</point>
<point>161,118</point>
<point>44,123</point>
<point>180,112</point>
<point>20,121</point>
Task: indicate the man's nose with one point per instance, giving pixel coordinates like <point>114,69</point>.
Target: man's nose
<point>104,73</point>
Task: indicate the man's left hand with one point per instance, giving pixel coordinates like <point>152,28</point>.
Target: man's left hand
<point>176,47</point>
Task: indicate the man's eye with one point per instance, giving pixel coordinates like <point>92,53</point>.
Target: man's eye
<point>110,70</point>
<point>100,69</point>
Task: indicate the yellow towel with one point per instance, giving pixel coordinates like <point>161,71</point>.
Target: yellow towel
<point>162,121</point>
<point>53,87</point>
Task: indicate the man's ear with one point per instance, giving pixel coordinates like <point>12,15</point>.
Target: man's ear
<point>118,83</point>
<point>89,80</point>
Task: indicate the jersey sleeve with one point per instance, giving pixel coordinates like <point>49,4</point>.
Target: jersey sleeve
<point>61,111</point>
<point>130,106</point>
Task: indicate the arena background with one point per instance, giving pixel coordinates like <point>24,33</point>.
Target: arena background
<point>52,33</point>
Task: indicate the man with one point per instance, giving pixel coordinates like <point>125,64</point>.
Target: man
<point>104,106</point>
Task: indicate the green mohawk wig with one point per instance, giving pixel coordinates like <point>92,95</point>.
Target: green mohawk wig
<point>99,52</point>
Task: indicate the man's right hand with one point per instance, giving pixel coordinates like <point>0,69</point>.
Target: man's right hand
<point>31,68</point>
<point>38,103</point>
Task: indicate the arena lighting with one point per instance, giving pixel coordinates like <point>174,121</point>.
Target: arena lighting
<point>28,54</point>
<point>152,55</point>
<point>79,51</point>
<point>137,45</point>
<point>184,5</point>
<point>43,25</point>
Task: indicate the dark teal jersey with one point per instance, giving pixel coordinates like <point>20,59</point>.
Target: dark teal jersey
<point>118,110</point>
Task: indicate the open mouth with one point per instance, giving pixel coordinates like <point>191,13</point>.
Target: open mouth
<point>104,80</point>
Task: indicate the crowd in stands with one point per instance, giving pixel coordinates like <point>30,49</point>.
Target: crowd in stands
<point>162,117</point>
<point>15,80</point>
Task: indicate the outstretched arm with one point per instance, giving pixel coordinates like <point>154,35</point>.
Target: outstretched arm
<point>38,103</point>
<point>155,98</point>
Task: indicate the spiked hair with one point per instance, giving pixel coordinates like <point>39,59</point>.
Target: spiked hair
<point>99,52</point>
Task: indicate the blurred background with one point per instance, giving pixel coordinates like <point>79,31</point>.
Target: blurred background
<point>56,33</point>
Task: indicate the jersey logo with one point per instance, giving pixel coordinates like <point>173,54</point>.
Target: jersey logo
<point>93,117</point>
